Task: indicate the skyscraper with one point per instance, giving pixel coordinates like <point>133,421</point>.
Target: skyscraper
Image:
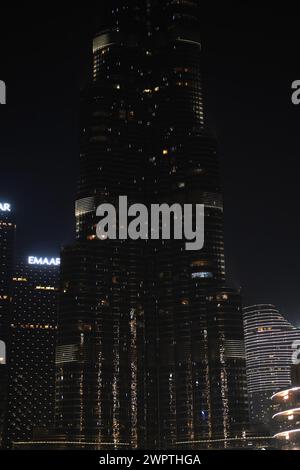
<point>139,321</point>
<point>7,242</point>
<point>286,418</point>
<point>31,348</point>
<point>269,339</point>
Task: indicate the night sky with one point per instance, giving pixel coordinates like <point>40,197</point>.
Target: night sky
<point>250,59</point>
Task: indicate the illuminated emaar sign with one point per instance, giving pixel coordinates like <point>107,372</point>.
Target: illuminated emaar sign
<point>4,207</point>
<point>35,261</point>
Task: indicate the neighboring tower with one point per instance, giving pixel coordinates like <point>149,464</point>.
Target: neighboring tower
<point>269,339</point>
<point>31,348</point>
<point>7,244</point>
<point>227,364</point>
<point>137,362</point>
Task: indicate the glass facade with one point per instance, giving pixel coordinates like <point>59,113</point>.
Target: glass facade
<point>136,360</point>
<point>7,245</point>
<point>31,351</point>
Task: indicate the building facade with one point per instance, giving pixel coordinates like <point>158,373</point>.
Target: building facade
<point>7,245</point>
<point>31,348</point>
<point>137,364</point>
<point>286,418</point>
<point>296,374</point>
<point>269,340</point>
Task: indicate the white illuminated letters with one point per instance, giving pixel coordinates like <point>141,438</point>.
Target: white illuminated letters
<point>35,261</point>
<point>4,207</point>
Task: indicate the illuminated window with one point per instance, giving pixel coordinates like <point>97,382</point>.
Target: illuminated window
<point>200,263</point>
<point>202,275</point>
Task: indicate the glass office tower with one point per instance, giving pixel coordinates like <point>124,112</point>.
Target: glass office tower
<point>31,349</point>
<point>7,244</point>
<point>269,340</point>
<point>150,342</point>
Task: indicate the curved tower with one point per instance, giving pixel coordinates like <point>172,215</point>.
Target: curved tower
<point>269,339</point>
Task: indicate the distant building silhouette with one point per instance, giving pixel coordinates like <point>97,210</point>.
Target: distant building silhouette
<point>31,351</point>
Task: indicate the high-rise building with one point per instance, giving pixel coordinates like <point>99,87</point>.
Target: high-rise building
<point>7,243</point>
<point>150,344</point>
<point>269,340</point>
<point>31,348</point>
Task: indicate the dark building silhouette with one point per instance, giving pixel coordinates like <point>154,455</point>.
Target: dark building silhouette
<point>7,245</point>
<point>31,349</point>
<point>150,342</point>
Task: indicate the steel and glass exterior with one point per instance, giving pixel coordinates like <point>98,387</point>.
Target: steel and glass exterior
<point>7,245</point>
<point>150,343</point>
<point>31,351</point>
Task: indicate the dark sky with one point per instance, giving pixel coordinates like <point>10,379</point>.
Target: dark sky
<point>251,57</point>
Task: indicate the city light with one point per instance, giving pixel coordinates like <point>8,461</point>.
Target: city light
<point>35,261</point>
<point>5,207</point>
